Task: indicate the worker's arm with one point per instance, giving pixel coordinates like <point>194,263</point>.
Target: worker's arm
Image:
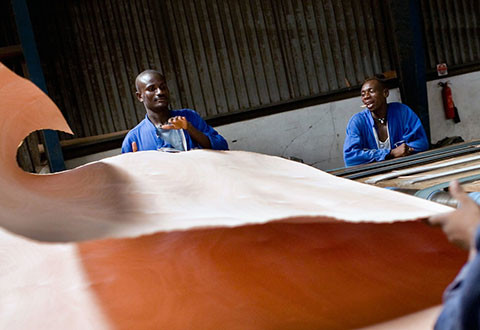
<point>180,122</point>
<point>460,225</point>
<point>461,303</point>
<point>198,130</point>
<point>129,144</point>
<point>400,151</point>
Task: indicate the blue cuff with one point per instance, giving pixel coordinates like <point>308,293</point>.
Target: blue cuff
<point>475,196</point>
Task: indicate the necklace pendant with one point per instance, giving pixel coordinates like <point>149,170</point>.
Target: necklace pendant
<point>382,120</point>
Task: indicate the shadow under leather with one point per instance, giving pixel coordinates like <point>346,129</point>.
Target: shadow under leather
<point>86,203</point>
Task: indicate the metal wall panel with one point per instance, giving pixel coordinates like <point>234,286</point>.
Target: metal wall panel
<point>219,56</point>
<point>452,32</point>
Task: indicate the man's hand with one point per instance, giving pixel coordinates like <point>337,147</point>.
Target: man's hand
<point>400,151</point>
<point>460,225</point>
<point>178,122</point>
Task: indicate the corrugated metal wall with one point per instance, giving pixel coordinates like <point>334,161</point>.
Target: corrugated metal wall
<point>452,32</point>
<point>219,57</point>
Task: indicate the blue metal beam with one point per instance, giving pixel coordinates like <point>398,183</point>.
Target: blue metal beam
<point>53,149</point>
<point>410,58</point>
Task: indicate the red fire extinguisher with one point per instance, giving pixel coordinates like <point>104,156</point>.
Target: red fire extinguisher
<point>451,112</point>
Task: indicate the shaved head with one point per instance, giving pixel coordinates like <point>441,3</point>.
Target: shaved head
<point>140,80</point>
<point>379,78</point>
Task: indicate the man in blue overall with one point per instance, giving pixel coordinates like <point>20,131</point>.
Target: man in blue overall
<point>382,131</point>
<point>165,129</point>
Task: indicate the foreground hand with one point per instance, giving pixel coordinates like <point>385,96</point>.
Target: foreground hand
<point>460,225</point>
<point>400,151</point>
<point>178,122</point>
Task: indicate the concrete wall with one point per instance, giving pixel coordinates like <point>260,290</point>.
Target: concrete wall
<point>76,162</point>
<point>466,95</point>
<point>316,134</point>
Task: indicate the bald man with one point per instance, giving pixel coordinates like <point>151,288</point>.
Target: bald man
<point>165,129</point>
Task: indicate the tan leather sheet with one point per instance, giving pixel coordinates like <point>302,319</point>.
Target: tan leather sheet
<point>204,239</point>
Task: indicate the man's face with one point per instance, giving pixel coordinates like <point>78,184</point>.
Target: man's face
<point>373,95</point>
<point>153,92</point>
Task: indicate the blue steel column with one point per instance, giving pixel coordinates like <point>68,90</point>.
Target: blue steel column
<point>53,149</point>
<point>410,57</point>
